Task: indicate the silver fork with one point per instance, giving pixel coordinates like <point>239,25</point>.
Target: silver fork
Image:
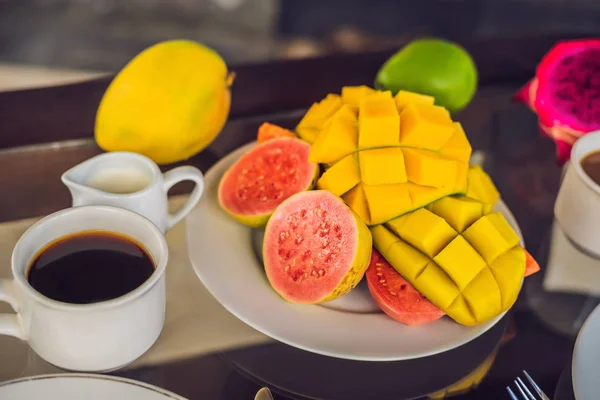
<point>524,391</point>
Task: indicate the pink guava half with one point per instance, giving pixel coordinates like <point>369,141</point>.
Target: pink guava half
<point>264,177</point>
<point>315,248</point>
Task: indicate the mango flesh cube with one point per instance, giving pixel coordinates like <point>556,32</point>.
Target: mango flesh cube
<point>357,202</point>
<point>429,169</point>
<point>386,201</point>
<point>352,95</point>
<point>458,146</point>
<point>423,230</point>
<point>382,166</point>
<point>462,173</point>
<point>460,311</point>
<point>423,195</point>
<point>317,115</point>
<point>480,186</point>
<point>460,261</point>
<point>508,270</point>
<point>383,239</point>
<point>440,290</point>
<point>483,296</point>
<point>459,211</point>
<point>338,139</point>
<point>404,98</point>
<point>406,260</point>
<point>423,126</point>
<point>491,236</point>
<point>341,177</point>
<point>378,122</point>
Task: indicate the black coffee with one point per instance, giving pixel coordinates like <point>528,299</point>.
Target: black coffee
<point>591,165</point>
<point>90,267</point>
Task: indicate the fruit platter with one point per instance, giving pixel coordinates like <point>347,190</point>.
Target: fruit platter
<point>364,233</point>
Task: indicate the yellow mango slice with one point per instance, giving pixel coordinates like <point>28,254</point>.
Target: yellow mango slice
<point>378,121</point>
<point>317,115</point>
<point>460,261</point>
<point>357,202</point>
<point>341,177</point>
<point>508,270</point>
<point>491,235</point>
<point>434,284</point>
<point>424,230</point>
<point>458,146</point>
<point>404,98</point>
<point>483,296</point>
<point>382,166</point>
<point>352,95</point>
<point>426,127</point>
<point>480,186</point>
<point>386,201</point>
<point>474,275</point>
<point>459,211</point>
<point>338,139</point>
<point>429,169</point>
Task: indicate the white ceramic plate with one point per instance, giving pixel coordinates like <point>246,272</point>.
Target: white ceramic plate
<point>81,386</point>
<point>224,255</point>
<point>586,358</point>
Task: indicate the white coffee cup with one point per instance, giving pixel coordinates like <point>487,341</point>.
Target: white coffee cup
<point>134,182</point>
<point>93,337</point>
<point>577,206</point>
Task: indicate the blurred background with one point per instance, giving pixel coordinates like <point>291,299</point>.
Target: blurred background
<point>102,35</point>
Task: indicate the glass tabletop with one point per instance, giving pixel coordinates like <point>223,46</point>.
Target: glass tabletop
<point>522,164</point>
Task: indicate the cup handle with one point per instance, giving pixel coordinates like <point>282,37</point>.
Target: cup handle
<point>9,323</point>
<point>179,174</point>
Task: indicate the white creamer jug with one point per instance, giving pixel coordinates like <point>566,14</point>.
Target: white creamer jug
<point>134,182</point>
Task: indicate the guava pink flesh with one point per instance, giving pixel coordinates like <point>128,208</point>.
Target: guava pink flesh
<point>265,176</point>
<point>569,88</point>
<point>309,246</point>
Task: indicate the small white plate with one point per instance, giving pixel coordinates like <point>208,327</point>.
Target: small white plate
<point>586,358</point>
<point>81,386</point>
<point>223,254</point>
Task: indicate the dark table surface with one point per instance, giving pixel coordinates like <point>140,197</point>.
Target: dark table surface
<point>46,131</point>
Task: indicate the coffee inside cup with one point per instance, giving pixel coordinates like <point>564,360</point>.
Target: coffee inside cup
<point>90,267</point>
<point>590,163</point>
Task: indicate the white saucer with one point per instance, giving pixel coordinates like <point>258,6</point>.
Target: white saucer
<point>81,386</point>
<point>352,327</point>
<point>586,358</point>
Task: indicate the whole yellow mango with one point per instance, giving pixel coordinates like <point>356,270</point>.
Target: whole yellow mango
<point>168,103</point>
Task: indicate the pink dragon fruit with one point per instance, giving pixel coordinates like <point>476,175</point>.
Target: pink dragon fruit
<point>565,93</point>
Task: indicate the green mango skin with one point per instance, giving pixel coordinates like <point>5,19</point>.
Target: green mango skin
<point>434,67</point>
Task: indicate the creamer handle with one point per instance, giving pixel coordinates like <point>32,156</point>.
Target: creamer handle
<point>180,174</point>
